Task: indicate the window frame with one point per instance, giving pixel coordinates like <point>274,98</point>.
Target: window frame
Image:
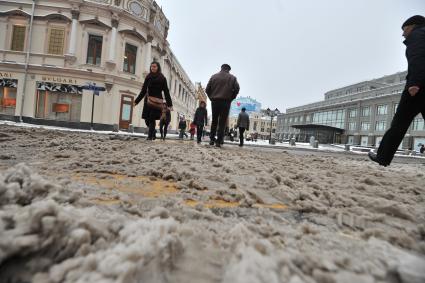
<point>24,44</point>
<point>94,34</point>
<point>127,43</point>
<point>49,36</point>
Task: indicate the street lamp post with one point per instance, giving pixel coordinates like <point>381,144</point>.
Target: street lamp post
<point>272,113</point>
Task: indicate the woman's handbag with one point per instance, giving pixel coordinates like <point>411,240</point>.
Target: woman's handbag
<point>155,103</point>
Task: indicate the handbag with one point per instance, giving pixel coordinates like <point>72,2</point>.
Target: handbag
<point>155,103</point>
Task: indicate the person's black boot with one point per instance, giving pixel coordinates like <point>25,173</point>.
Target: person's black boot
<point>212,142</point>
<point>374,157</point>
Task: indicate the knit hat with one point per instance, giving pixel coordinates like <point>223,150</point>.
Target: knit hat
<point>415,20</point>
<point>226,67</point>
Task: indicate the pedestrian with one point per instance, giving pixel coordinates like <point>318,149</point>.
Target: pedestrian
<point>422,149</point>
<point>154,85</point>
<point>164,121</point>
<point>182,127</point>
<point>192,130</point>
<point>242,124</point>
<point>412,100</point>
<point>221,89</point>
<point>200,120</point>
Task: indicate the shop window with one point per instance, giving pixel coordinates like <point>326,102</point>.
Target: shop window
<point>130,58</point>
<point>381,109</point>
<point>7,96</point>
<point>58,102</point>
<point>56,41</point>
<point>18,38</point>
<point>94,52</point>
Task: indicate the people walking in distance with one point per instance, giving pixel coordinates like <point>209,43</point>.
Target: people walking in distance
<point>412,100</point>
<point>242,124</point>
<point>221,89</point>
<point>200,120</point>
<point>192,130</point>
<point>164,121</point>
<point>154,85</point>
<point>422,149</point>
<point>182,127</point>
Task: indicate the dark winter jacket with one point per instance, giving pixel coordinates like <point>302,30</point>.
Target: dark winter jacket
<point>201,117</point>
<point>243,120</point>
<point>182,125</point>
<point>222,86</point>
<point>415,53</point>
<point>154,85</point>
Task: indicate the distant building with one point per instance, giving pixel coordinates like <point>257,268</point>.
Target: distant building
<point>251,105</point>
<point>357,114</point>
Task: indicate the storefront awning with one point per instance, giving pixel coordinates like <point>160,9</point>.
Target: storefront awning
<point>8,83</point>
<point>318,127</point>
<point>63,88</point>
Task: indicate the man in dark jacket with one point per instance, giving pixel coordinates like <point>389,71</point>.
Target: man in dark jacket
<point>182,127</point>
<point>222,88</point>
<point>412,100</point>
<point>201,119</point>
<point>242,124</point>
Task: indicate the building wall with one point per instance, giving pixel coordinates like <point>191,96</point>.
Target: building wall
<point>387,95</point>
<point>103,19</point>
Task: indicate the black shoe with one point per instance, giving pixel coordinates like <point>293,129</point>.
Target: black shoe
<point>217,144</point>
<point>212,142</point>
<point>240,145</point>
<point>374,157</point>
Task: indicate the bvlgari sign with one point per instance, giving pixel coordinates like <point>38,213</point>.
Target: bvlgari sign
<point>61,80</point>
<point>5,75</point>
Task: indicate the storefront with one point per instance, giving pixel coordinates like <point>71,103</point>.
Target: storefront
<point>58,101</point>
<point>322,133</point>
<point>8,93</point>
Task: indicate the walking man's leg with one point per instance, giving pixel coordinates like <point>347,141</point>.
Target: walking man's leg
<point>241,136</point>
<point>199,130</point>
<point>214,123</point>
<point>224,113</point>
<point>407,110</point>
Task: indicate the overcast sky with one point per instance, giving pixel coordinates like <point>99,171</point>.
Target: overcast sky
<point>287,53</point>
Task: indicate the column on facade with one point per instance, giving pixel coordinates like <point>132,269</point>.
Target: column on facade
<point>74,26</point>
<point>148,54</point>
<point>113,45</point>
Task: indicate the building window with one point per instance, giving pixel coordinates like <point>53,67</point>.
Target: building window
<point>366,111</point>
<point>8,96</point>
<point>333,118</point>
<point>18,38</point>
<point>130,58</point>
<point>94,52</point>
<point>61,106</point>
<point>352,126</point>
<point>380,125</point>
<point>255,126</point>
<point>353,113</point>
<point>308,118</point>
<point>262,129</point>
<point>365,126</point>
<point>381,110</point>
<point>56,41</point>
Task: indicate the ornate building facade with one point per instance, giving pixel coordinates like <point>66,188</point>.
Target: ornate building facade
<point>51,49</point>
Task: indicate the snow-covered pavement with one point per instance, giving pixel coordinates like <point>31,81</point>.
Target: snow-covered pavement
<point>83,207</point>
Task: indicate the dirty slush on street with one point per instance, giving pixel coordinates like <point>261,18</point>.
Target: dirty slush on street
<point>83,207</point>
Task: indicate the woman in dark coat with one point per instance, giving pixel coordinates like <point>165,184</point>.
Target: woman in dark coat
<point>155,83</point>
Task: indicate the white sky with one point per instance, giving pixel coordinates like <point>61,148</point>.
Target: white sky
<point>287,53</point>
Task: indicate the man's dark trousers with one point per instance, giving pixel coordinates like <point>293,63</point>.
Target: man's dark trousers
<point>408,108</point>
<point>241,132</point>
<point>199,131</point>
<point>220,113</point>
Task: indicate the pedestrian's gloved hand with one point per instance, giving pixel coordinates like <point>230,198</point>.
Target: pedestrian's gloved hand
<point>413,90</point>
